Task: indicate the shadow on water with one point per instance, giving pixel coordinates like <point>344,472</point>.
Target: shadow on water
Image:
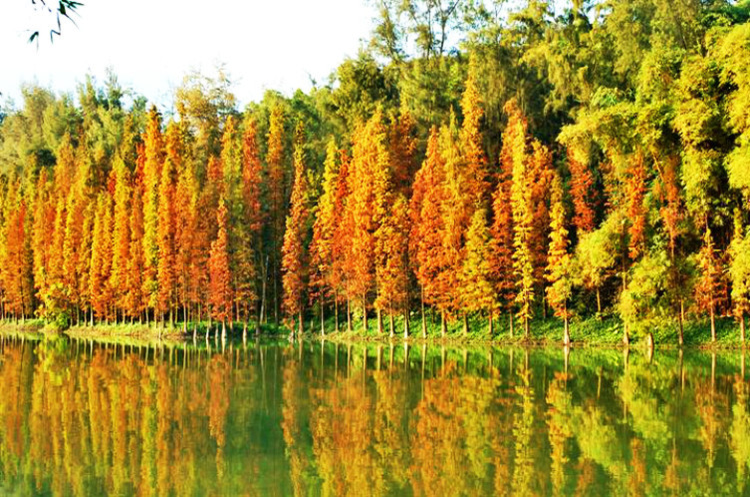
<point>79,417</point>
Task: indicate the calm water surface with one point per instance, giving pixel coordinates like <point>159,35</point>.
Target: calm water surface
<point>80,418</point>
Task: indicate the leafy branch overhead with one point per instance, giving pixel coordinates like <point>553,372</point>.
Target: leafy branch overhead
<point>64,9</point>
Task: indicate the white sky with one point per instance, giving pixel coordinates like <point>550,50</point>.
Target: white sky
<point>152,44</point>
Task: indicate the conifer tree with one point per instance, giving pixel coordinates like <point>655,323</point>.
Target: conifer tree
<point>403,151</point>
<point>392,273</point>
<point>739,272</point>
<point>277,196</point>
<point>121,242</point>
<point>427,225</point>
<point>478,293</point>
<point>472,147</point>
<point>136,299</point>
<point>220,286</point>
<point>706,290</point>
<point>636,191</point>
<point>341,243</point>
<point>581,183</point>
<point>248,230</point>
<point>185,233</point>
<point>154,156</point>
<point>501,231</point>
<point>101,257</point>
<point>370,187</point>
<point>456,211</point>
<point>559,260</point>
<point>294,254</point>
<point>324,227</point>
<point>167,225</point>
<point>520,196</point>
<point>42,234</point>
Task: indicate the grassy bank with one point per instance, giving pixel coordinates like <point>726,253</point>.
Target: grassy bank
<point>606,331</point>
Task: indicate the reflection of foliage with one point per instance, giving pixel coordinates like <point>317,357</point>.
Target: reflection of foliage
<point>81,418</point>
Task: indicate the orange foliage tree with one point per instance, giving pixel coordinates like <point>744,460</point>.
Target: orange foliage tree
<point>370,187</point>
<point>167,227</point>
<point>392,272</point>
<point>427,225</point>
<point>581,182</point>
<point>324,230</point>
<point>153,151</point>
<point>121,235</point>
<point>636,191</point>
<point>294,254</point>
<point>220,283</point>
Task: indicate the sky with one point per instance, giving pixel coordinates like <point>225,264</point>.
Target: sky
<point>152,44</point>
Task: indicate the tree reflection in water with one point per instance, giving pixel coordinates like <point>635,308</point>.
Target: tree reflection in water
<point>80,418</point>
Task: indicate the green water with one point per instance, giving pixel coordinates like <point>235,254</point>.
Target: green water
<point>80,418</point>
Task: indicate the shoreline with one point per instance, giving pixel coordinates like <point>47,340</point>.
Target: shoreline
<point>144,334</point>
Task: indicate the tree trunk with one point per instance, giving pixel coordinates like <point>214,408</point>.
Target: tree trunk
<point>364,313</point>
<point>406,324</point>
<point>625,336</point>
<point>681,336</point>
<point>742,328</point>
<point>566,337</point>
<point>510,320</point>
<point>443,325</point>
<point>322,318</point>
<point>466,325</point>
<point>424,319</point>
<point>380,322</point>
<point>598,302</point>
<point>336,313</point>
<point>491,324</point>
<point>526,328</point>
<point>390,324</point>
<point>348,315</point>
<point>713,324</point>
<point>301,324</point>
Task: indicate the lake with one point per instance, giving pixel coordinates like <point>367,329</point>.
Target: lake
<point>83,418</point>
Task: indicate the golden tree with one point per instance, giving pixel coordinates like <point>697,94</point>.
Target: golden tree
<point>294,255</point>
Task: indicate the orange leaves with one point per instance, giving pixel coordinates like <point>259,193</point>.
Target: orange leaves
<point>294,254</point>
<point>635,189</point>
<point>370,190</point>
<point>220,279</point>
<point>581,182</point>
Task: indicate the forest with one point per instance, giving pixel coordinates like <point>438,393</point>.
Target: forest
<point>478,168</point>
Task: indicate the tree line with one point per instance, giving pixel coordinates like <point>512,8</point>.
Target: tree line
<point>554,161</point>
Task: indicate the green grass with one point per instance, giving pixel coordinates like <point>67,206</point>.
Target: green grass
<point>606,331</point>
